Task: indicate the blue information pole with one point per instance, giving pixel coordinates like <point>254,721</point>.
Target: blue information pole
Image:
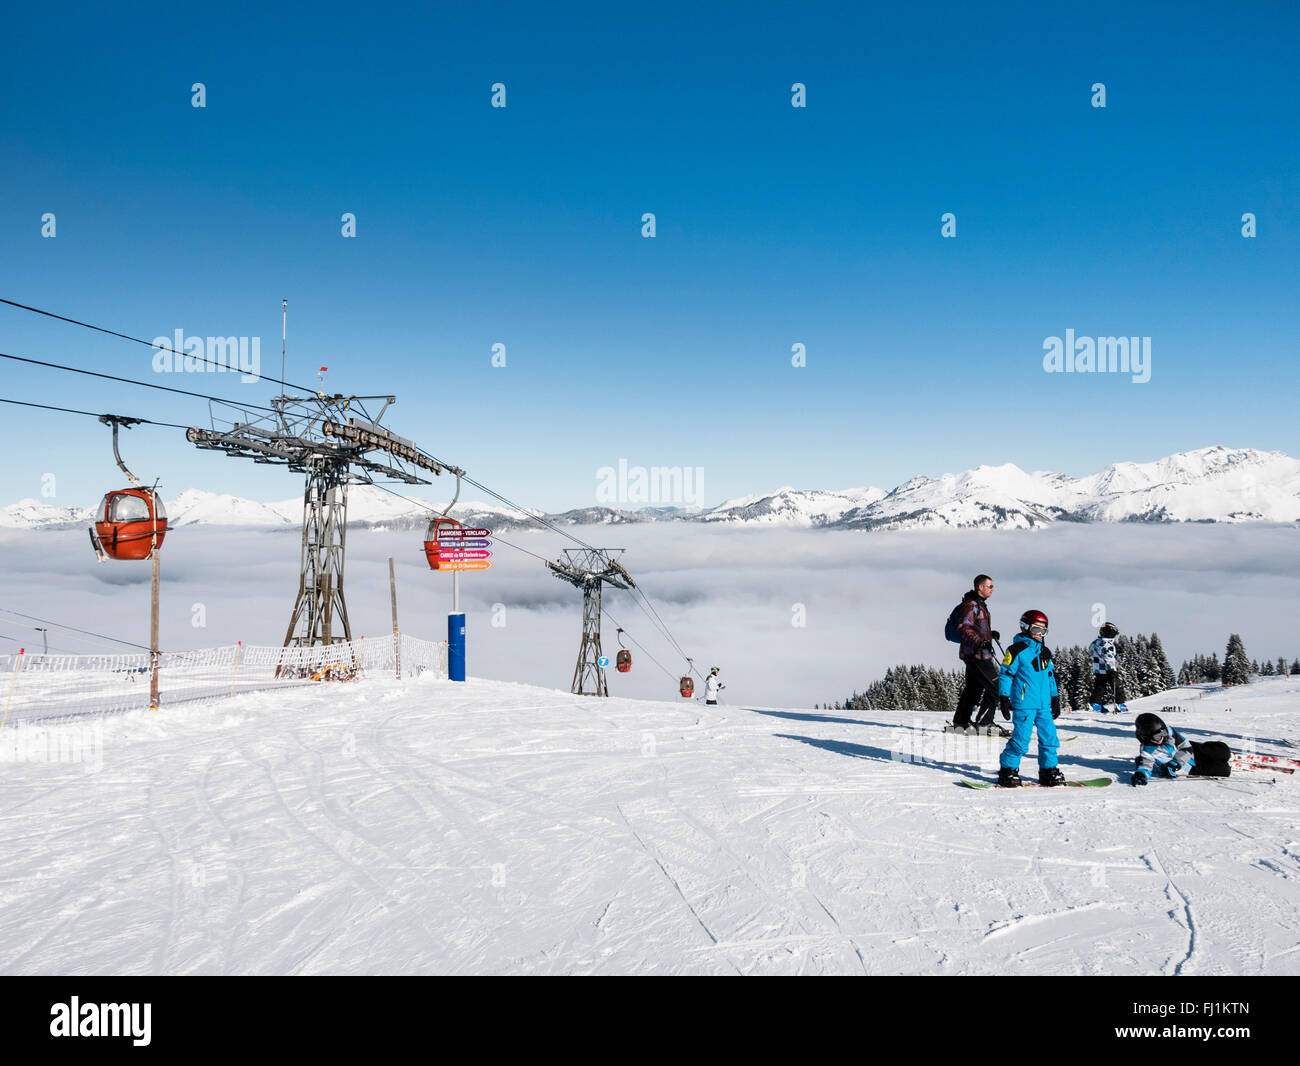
<point>456,647</point>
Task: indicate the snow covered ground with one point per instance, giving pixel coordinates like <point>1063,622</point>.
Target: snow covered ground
<point>424,826</point>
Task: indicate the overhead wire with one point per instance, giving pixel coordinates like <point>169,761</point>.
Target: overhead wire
<point>92,414</point>
<point>74,629</point>
<point>132,381</point>
<point>139,340</point>
<point>633,639</point>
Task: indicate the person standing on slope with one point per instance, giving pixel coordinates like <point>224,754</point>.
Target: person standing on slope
<point>1105,670</point>
<point>1027,694</point>
<point>712,686</point>
<point>975,628</point>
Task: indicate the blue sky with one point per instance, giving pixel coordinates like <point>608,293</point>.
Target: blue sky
<point>775,225</point>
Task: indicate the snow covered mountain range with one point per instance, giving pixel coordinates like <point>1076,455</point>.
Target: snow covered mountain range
<point>1214,484</point>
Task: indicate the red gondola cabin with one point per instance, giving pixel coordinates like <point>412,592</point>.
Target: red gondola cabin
<point>126,523</point>
<point>688,687</point>
<point>624,661</point>
<point>431,547</point>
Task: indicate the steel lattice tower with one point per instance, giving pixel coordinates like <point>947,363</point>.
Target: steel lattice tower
<point>590,569</point>
<point>320,613</point>
<point>328,439</point>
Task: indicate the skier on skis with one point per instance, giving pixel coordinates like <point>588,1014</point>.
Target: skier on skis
<point>974,624</point>
<point>1027,694</point>
<point>1167,753</point>
<point>712,686</point>
<point>1105,670</point>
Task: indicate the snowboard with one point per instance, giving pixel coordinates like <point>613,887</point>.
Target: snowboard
<point>1094,782</point>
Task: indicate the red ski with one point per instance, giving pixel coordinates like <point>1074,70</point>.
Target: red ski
<point>1265,762</point>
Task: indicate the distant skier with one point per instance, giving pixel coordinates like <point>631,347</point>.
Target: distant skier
<point>1167,753</point>
<point>971,624</point>
<point>1105,671</point>
<point>712,686</point>
<point>1027,694</point>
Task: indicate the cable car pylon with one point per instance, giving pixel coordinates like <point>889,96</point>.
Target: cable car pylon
<point>590,569</point>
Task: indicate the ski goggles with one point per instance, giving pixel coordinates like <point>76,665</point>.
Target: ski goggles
<point>1037,630</point>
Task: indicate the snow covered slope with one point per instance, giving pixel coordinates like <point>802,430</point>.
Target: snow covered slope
<point>388,827</point>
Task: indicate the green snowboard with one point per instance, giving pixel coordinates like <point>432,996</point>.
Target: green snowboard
<point>1094,782</point>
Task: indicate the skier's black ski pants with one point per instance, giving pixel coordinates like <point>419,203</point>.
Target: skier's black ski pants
<point>1101,684</point>
<point>981,688</point>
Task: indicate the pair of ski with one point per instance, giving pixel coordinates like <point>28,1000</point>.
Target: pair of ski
<point>1265,762</point>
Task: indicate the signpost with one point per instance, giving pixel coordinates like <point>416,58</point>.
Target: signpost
<point>460,549</point>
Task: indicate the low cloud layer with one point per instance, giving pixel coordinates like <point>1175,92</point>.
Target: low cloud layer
<point>729,596</point>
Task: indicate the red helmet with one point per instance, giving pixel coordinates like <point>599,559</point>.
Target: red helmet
<point>1034,623</point>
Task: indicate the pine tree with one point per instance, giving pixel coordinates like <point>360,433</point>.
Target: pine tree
<point>1236,664</point>
<point>1164,672</point>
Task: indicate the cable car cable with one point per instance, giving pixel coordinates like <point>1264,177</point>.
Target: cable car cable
<point>91,414</point>
<point>637,643</point>
<point>138,340</point>
<point>132,381</point>
<point>74,629</point>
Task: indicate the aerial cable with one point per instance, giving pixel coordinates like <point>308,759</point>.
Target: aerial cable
<point>150,344</point>
<point>637,643</point>
<point>132,381</point>
<point>74,629</point>
<point>433,510</point>
<point>91,414</point>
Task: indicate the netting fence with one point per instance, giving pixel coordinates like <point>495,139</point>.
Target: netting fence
<point>36,688</point>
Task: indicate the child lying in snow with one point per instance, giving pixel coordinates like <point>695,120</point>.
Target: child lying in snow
<point>1167,753</point>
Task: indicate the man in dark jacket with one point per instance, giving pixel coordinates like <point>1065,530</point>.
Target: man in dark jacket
<point>977,636</point>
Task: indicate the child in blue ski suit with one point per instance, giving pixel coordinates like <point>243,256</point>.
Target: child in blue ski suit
<point>1027,694</point>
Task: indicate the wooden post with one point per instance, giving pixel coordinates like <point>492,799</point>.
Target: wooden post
<point>153,633</point>
<point>397,638</point>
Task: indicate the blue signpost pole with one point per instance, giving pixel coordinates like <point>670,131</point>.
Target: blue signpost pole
<point>456,647</point>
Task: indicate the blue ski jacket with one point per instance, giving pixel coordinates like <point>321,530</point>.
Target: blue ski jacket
<point>1028,676</point>
<point>1175,754</point>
